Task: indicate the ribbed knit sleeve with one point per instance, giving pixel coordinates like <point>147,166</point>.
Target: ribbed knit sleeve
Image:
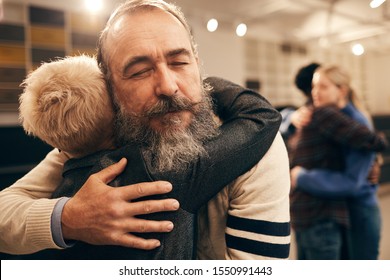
<point>38,224</point>
<point>25,208</point>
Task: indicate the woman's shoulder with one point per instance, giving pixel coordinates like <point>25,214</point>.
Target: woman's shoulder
<point>355,114</point>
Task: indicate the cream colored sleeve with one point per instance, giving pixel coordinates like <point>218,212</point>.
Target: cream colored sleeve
<point>258,221</point>
<point>250,218</point>
<point>25,208</point>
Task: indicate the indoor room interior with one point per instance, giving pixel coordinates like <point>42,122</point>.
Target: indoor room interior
<point>256,43</point>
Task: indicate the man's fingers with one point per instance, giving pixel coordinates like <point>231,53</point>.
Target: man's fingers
<point>132,241</point>
<point>145,189</point>
<point>143,226</point>
<point>110,173</point>
<point>152,206</point>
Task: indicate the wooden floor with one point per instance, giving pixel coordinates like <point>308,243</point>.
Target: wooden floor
<point>384,201</point>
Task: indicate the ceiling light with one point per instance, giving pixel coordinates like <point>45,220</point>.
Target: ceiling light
<point>241,29</point>
<point>212,25</point>
<point>357,49</point>
<point>376,3</point>
<point>94,5</point>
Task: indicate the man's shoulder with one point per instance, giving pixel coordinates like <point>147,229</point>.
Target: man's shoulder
<point>249,219</point>
<point>271,173</point>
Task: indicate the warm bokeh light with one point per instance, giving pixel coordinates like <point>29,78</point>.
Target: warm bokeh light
<point>357,49</point>
<point>376,3</point>
<point>212,25</point>
<point>94,5</point>
<point>241,29</point>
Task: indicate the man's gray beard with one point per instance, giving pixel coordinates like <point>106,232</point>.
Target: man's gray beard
<point>170,149</point>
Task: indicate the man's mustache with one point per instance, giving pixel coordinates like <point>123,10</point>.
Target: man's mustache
<point>168,104</point>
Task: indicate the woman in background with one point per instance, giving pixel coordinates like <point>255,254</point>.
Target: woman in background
<point>348,181</point>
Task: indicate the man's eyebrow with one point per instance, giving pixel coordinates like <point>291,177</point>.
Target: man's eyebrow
<point>176,52</point>
<point>135,60</point>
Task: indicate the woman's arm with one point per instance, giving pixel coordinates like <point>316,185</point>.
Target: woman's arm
<point>332,184</point>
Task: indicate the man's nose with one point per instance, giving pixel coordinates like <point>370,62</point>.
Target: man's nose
<point>166,83</point>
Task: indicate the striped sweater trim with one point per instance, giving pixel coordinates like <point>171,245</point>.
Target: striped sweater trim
<point>257,247</point>
<point>260,227</point>
<point>280,251</point>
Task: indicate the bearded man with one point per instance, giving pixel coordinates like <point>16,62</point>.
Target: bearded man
<point>151,65</point>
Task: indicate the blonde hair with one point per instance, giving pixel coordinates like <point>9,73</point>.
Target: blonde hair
<point>341,78</point>
<point>65,103</point>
